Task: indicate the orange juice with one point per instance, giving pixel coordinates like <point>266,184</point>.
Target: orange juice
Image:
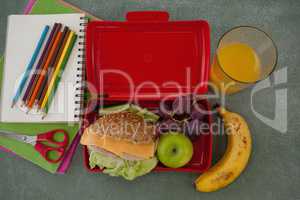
<point>234,67</point>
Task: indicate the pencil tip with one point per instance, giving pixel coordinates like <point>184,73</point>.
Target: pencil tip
<point>13,104</point>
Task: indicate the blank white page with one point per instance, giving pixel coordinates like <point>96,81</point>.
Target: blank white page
<point>23,33</point>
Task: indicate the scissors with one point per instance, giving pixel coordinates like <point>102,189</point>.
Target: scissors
<point>44,143</point>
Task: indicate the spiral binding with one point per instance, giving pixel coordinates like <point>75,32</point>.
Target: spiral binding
<point>80,76</point>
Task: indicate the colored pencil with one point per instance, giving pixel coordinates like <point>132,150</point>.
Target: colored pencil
<point>53,85</point>
<point>39,65</point>
<point>55,57</point>
<point>30,66</point>
<point>40,70</point>
<point>43,72</point>
<point>55,66</point>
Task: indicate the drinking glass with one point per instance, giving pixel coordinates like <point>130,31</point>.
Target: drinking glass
<point>244,56</point>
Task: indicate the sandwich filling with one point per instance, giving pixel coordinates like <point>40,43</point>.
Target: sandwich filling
<point>122,141</point>
<point>119,147</point>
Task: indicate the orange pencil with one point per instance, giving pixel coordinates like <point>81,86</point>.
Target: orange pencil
<point>44,71</point>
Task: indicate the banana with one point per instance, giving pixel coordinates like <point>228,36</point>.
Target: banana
<point>235,158</point>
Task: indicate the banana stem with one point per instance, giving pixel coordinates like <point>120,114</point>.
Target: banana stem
<point>221,110</point>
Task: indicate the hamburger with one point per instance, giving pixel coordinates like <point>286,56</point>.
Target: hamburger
<point>122,141</point>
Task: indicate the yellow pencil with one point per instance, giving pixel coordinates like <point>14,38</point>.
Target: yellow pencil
<point>57,70</point>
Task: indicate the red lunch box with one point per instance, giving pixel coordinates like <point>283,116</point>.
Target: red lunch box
<point>144,60</point>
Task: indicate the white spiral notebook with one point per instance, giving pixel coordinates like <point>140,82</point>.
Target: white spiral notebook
<point>23,32</point>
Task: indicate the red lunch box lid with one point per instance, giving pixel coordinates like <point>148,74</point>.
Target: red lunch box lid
<point>147,56</point>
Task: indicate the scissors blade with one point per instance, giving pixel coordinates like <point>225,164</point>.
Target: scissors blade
<point>22,138</point>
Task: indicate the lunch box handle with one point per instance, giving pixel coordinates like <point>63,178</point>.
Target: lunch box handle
<point>147,16</point>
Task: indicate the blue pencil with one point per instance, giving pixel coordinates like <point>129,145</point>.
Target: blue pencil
<point>30,65</point>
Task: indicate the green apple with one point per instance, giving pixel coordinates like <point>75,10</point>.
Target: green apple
<point>174,149</point>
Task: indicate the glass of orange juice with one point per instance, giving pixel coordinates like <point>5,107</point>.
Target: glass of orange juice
<point>244,56</point>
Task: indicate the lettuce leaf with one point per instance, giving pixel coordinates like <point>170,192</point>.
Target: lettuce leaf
<point>143,112</point>
<point>116,166</point>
